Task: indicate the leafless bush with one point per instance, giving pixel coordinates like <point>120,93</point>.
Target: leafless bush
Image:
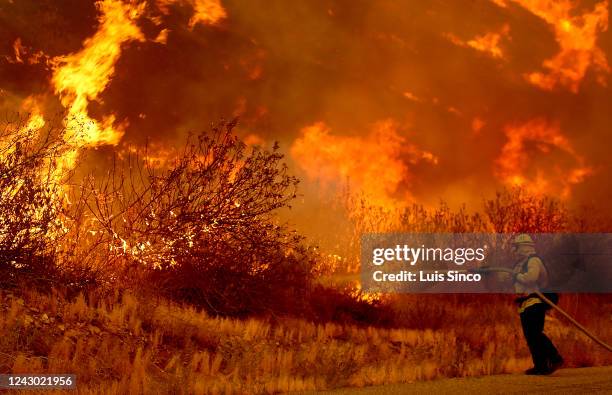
<point>510,211</point>
<point>30,197</point>
<point>516,211</point>
<point>201,226</point>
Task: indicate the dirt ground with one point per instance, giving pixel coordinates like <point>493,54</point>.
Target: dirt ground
<point>565,381</point>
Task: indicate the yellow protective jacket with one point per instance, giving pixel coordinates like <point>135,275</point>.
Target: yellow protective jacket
<point>531,276</point>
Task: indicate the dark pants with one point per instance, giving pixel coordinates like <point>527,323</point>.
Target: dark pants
<point>542,350</point>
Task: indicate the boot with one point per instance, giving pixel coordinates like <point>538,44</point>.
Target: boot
<point>555,363</point>
<point>536,372</point>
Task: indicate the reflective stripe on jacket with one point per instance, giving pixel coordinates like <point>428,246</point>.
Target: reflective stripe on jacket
<point>529,302</point>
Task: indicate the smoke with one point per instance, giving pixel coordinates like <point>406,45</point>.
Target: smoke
<point>407,100</point>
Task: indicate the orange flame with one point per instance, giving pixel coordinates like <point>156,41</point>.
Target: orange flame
<point>376,164</point>
<point>253,139</point>
<point>487,43</point>
<point>36,121</point>
<point>207,12</point>
<point>80,77</point>
<point>155,155</point>
<point>19,50</point>
<point>518,164</point>
<point>22,54</point>
<point>577,39</point>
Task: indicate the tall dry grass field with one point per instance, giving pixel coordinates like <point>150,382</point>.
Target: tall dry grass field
<point>182,279</point>
<point>119,344</point>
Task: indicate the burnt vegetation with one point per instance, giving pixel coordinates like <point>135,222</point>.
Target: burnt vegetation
<point>30,202</point>
<point>198,228</point>
<point>130,278</point>
<point>201,227</point>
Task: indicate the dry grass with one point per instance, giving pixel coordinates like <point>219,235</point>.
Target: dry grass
<point>125,344</point>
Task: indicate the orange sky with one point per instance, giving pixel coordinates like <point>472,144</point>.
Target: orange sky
<point>405,100</point>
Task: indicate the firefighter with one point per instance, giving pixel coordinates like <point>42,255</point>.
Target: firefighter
<point>530,275</point>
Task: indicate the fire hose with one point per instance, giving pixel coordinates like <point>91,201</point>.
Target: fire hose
<point>551,304</point>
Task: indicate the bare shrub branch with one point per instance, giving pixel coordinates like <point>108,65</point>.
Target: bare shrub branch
<point>202,226</point>
<point>30,195</point>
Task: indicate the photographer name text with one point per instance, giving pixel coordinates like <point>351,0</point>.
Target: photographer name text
<point>426,276</point>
